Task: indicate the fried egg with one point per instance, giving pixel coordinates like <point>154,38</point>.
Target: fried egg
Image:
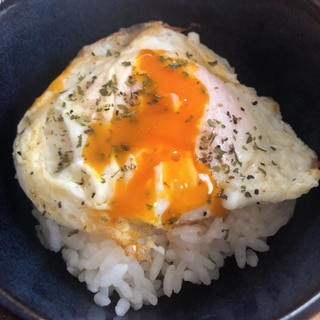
<point>147,128</point>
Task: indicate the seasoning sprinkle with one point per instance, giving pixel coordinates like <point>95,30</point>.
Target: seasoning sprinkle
<point>177,64</point>
<point>72,232</point>
<point>213,63</point>
<point>262,170</point>
<point>149,206</point>
<point>126,63</point>
<point>79,144</point>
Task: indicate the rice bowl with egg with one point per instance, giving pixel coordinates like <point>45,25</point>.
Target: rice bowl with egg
<point>215,182</point>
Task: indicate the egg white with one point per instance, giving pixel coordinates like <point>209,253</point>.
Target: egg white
<point>254,154</point>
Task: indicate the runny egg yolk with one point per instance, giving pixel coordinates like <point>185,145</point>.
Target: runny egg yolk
<point>159,128</point>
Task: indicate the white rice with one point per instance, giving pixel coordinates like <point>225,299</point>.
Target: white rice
<point>193,253</point>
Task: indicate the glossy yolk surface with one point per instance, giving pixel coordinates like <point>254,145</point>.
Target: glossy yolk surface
<point>160,129</point>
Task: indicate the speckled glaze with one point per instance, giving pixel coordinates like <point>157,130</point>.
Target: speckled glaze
<point>274,47</point>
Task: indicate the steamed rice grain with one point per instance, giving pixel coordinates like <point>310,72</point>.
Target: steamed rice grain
<point>187,253</point>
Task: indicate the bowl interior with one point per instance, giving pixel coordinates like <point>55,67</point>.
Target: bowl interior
<point>274,47</point>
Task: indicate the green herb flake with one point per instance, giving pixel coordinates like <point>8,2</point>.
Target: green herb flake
<point>189,55</point>
<point>249,139</point>
<point>212,63</point>
<point>130,81</point>
<point>172,220</point>
<point>177,64</point>
<point>237,158</point>
<point>115,173</point>
<point>149,206</point>
<point>219,152</point>
<point>65,159</point>
<point>123,107</point>
<point>256,147</point>
<point>157,95</point>
<point>126,63</point>
<point>211,137</point>
<point>80,78</point>
<point>110,87</point>
<point>131,113</point>
<point>189,119</point>
<point>98,100</point>
<point>225,168</point>
<point>162,58</point>
<point>262,170</point>
<point>211,123</point>
<point>93,79</point>
<point>186,74</point>
<point>236,170</point>
<point>79,144</point>
<point>72,233</point>
<point>124,147</point>
<point>80,91</point>
<point>221,194</point>
<point>72,96</point>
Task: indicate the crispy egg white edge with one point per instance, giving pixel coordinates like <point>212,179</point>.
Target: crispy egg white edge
<point>275,166</point>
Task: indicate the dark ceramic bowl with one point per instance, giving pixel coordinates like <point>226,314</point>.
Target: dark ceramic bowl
<point>273,45</point>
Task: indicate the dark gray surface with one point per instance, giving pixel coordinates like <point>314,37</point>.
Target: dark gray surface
<point>274,46</point>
